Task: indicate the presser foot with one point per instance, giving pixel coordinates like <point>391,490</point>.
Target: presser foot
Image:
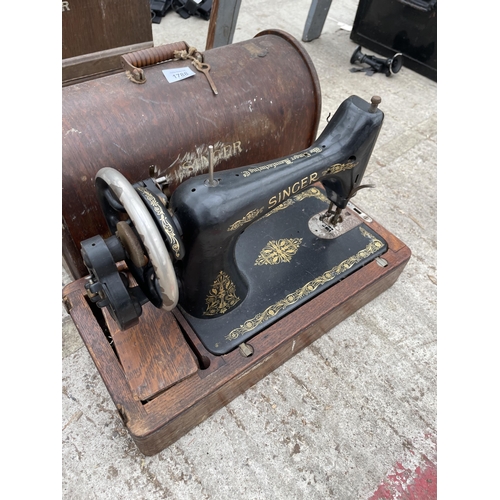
<point>322,225</point>
<point>333,218</point>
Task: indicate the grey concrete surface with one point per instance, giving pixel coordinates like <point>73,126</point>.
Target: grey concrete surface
<point>355,408</point>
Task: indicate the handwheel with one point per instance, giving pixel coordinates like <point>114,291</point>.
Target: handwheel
<point>145,227</point>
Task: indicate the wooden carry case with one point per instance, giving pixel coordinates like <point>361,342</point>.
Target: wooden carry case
<point>163,381</point>
<point>268,105</point>
<point>96,34</point>
<point>161,378</point>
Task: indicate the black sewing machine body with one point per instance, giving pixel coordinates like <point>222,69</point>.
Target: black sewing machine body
<point>251,244</point>
<point>281,264</point>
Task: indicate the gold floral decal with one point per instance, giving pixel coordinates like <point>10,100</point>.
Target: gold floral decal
<point>373,246</point>
<point>339,167</point>
<point>276,252</point>
<point>313,192</point>
<point>222,295</point>
<point>167,227</point>
<point>248,217</point>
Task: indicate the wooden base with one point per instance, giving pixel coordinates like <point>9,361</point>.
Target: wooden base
<point>164,382</point>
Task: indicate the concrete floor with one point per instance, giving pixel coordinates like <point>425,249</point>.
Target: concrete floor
<point>354,415</point>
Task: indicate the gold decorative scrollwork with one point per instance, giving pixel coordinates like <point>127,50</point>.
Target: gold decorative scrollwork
<point>167,227</point>
<point>248,217</point>
<point>284,205</point>
<point>339,167</point>
<point>373,246</point>
<point>313,192</point>
<point>222,295</point>
<point>278,251</point>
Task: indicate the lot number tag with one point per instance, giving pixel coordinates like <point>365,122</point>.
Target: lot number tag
<point>178,74</point>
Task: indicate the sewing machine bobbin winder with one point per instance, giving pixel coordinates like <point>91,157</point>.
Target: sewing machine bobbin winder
<point>197,296</point>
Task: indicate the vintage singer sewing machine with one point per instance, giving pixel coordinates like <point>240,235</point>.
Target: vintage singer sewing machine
<point>210,289</point>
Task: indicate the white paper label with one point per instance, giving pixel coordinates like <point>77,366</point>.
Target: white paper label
<point>178,74</point>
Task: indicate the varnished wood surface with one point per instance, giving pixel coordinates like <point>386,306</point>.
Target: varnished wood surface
<point>153,358</point>
<point>95,34</point>
<point>179,121</point>
<point>90,27</point>
<point>97,64</point>
<point>160,422</point>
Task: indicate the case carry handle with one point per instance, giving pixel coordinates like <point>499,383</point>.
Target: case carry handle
<point>134,61</point>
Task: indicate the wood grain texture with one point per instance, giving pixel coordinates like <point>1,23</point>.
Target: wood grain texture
<point>165,418</point>
<point>155,358</point>
<point>259,99</point>
<point>89,26</point>
<point>95,34</point>
<point>86,67</point>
